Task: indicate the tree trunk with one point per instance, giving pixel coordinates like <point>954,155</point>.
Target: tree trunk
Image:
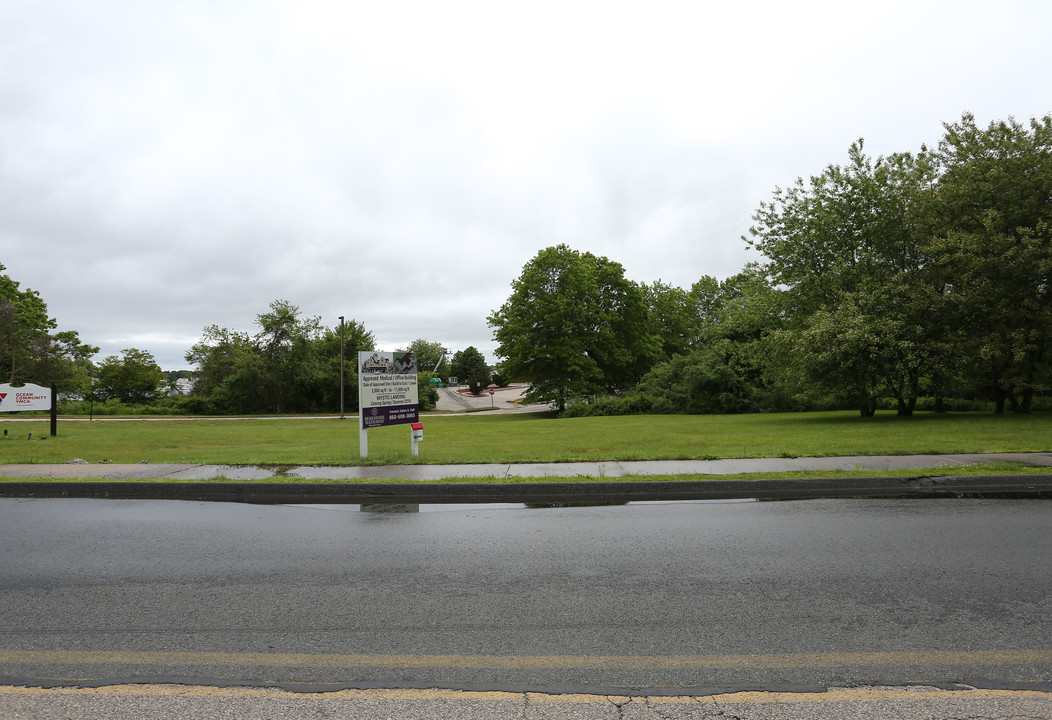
<point>906,408</point>
<point>940,406</point>
<point>868,408</point>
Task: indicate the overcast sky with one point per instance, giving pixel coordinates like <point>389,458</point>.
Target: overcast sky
<point>165,166</point>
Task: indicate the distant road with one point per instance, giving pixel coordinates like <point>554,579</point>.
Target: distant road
<point>648,598</point>
<point>449,401</point>
<point>502,400</point>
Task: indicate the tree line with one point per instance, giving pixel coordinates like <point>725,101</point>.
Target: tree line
<point>915,278</point>
<point>290,364</point>
<point>911,280</point>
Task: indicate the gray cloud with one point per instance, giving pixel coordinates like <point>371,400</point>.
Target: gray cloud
<point>166,166</point>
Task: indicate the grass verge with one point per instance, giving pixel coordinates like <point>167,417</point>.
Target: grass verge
<point>530,438</point>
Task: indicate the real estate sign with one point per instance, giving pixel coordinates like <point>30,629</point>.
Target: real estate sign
<point>387,390</point>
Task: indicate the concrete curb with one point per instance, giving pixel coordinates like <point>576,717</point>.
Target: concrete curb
<point>1009,486</point>
<point>454,473</point>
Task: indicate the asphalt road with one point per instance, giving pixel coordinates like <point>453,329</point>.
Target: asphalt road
<point>640,599</point>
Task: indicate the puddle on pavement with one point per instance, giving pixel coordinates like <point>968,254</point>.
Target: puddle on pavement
<point>461,507</point>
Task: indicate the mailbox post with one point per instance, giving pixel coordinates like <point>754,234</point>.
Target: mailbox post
<point>417,435</point>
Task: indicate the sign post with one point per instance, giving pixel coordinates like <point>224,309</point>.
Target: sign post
<point>417,434</point>
<point>387,392</point>
<point>30,397</point>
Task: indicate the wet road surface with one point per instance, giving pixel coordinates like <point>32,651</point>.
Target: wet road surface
<point>640,599</point>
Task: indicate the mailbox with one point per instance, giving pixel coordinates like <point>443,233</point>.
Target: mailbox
<point>418,431</point>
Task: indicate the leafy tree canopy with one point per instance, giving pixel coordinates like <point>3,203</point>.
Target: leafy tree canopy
<point>672,319</point>
<point>292,364</point>
<point>574,326</point>
<point>991,216</point>
<point>134,378</point>
<point>30,352</point>
<point>848,250</point>
<point>469,366</point>
<point>896,268</point>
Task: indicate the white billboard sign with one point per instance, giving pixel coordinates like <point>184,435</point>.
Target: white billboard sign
<point>24,397</point>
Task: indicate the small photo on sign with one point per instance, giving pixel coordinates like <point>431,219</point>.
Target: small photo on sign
<point>405,363</point>
<point>377,363</point>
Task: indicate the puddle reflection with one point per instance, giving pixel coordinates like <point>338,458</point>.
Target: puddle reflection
<point>461,507</point>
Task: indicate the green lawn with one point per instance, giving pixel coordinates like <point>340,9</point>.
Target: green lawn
<point>523,438</point>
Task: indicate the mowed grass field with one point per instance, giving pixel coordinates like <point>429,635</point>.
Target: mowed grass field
<point>523,438</point>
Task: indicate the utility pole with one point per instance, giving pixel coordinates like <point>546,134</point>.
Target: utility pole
<point>341,367</point>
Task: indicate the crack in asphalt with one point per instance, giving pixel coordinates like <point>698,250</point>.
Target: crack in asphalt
<point>721,713</point>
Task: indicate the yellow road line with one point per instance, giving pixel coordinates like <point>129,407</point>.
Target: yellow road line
<point>840,695</point>
<point>533,662</point>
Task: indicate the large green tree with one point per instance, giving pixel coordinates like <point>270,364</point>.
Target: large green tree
<point>469,366</point>
<point>226,375</point>
<point>293,371</point>
<point>848,251</point>
<point>133,378</point>
<point>672,318</point>
<point>992,227</point>
<point>30,350</point>
<point>733,321</point>
<point>574,327</point>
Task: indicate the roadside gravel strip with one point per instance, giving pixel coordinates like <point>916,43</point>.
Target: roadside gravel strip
<point>175,701</point>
